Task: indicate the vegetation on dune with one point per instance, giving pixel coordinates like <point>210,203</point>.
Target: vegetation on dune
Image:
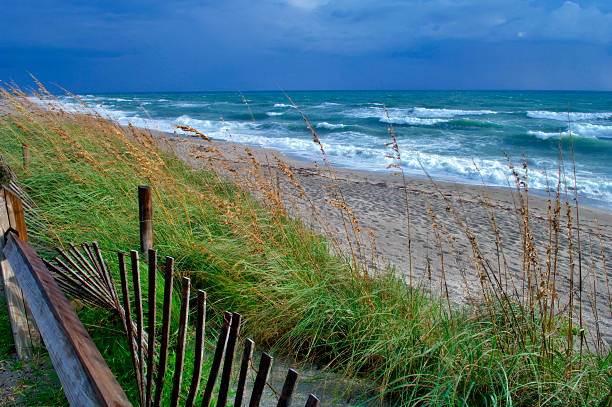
<point>228,230</point>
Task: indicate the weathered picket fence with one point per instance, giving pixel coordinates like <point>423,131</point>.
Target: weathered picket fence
<point>35,297</point>
<point>85,274</point>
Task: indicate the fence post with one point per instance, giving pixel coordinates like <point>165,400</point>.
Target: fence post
<point>25,331</point>
<point>145,216</point>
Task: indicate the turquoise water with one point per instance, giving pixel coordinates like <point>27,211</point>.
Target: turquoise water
<point>446,132</point>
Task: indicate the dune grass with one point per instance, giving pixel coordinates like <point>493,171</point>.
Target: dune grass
<point>299,294</point>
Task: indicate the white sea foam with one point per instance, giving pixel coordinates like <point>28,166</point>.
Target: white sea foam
<point>215,125</point>
<point>417,116</point>
<point>330,126</point>
<point>544,135</point>
<point>398,118</point>
<point>326,104</point>
<point>275,113</point>
<point>105,98</point>
<point>395,116</point>
<point>586,130</point>
<point>592,130</point>
<point>191,104</point>
<point>497,173</point>
<point>281,105</point>
<point>563,116</point>
<point>447,113</point>
<point>413,121</point>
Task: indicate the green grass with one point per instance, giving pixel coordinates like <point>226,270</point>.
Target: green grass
<point>6,339</point>
<point>40,386</point>
<point>296,296</point>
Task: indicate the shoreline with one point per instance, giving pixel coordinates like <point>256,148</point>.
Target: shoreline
<point>378,202</point>
<point>591,204</point>
<point>501,193</point>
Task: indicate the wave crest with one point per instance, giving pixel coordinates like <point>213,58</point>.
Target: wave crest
<point>563,116</point>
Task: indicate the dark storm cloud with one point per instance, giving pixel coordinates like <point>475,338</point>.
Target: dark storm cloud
<point>306,44</point>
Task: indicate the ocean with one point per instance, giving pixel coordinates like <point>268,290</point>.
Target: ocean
<point>449,133</point>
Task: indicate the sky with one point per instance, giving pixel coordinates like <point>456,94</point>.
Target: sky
<point>200,45</point>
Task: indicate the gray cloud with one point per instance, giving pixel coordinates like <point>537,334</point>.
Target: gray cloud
<point>312,41</point>
<point>352,28</point>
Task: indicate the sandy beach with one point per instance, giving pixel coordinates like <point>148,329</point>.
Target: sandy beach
<point>378,202</point>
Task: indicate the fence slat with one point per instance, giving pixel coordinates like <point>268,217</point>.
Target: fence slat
<point>260,380</point>
<point>247,355</point>
<point>180,347</point>
<point>216,364</point>
<point>128,316</point>
<point>151,299</point>
<point>199,350</point>
<point>76,286</point>
<point>85,377</point>
<point>138,310</point>
<point>86,270</point>
<point>312,401</point>
<point>86,283</point>
<point>228,364</point>
<point>105,273</point>
<point>288,389</point>
<point>165,334</point>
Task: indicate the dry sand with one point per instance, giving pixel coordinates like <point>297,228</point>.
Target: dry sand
<point>378,201</point>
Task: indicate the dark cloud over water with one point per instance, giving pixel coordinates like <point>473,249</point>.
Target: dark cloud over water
<point>308,44</point>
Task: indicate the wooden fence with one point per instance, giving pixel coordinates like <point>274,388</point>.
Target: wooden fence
<point>25,331</point>
<point>38,308</point>
<point>35,297</point>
